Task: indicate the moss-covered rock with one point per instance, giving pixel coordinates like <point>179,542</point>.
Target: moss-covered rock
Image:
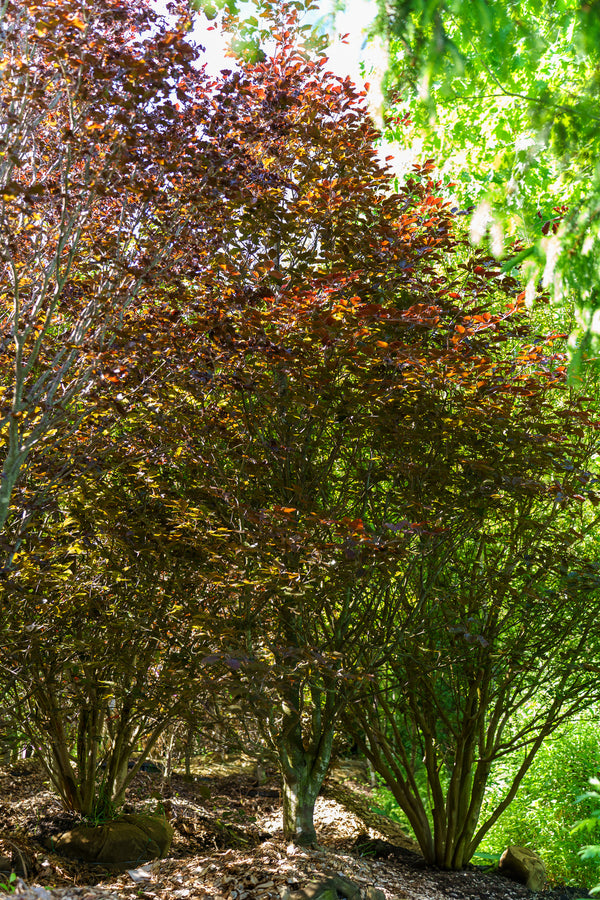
<point>130,839</point>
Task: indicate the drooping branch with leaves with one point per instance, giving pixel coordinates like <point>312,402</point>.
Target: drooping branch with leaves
<point>506,96</point>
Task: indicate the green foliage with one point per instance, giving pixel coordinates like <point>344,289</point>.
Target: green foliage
<point>544,812</point>
<point>507,94</point>
<point>9,886</point>
<point>590,824</point>
<point>103,809</point>
<point>251,36</point>
<point>385,803</point>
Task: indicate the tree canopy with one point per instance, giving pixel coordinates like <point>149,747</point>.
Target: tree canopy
<point>506,94</point>
<point>308,456</point>
<point>94,148</point>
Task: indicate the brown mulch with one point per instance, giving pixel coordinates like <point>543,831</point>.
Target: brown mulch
<point>228,845</point>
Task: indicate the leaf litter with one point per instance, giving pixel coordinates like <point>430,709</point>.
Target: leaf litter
<point>229,845</point>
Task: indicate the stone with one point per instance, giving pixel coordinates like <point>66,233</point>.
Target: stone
<point>332,888</point>
<point>128,839</point>
<point>38,892</point>
<point>373,893</point>
<point>142,873</point>
<point>523,865</point>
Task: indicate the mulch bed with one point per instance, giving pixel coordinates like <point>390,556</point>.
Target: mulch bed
<point>228,845</point>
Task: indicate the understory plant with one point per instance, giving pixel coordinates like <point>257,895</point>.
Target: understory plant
<point>8,886</point>
<point>590,853</point>
<point>545,811</point>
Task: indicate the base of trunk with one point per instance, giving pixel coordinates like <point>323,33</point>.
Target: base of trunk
<point>298,814</point>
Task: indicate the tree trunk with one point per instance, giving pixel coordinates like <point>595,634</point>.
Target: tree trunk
<point>303,773</point>
<point>299,797</point>
<point>168,759</point>
<point>189,749</point>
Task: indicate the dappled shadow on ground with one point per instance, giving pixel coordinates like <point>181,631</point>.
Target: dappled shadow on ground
<point>228,845</point>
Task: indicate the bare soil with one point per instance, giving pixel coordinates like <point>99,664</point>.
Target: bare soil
<point>228,845</point>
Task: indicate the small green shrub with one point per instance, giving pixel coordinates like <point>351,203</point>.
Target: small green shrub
<point>9,886</point>
<point>590,851</point>
<point>545,811</point>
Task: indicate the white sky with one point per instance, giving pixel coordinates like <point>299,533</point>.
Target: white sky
<point>344,59</point>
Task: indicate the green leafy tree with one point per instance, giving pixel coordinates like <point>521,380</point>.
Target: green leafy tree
<point>507,94</point>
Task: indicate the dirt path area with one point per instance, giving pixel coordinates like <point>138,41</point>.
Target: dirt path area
<point>228,845</point>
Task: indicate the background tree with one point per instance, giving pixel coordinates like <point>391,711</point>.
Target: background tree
<point>506,94</point>
<point>105,650</point>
